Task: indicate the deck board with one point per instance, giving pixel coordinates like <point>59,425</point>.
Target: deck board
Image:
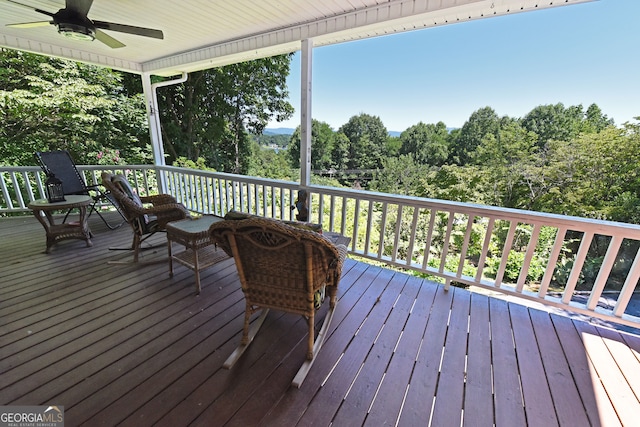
<point>356,404</point>
<point>535,388</point>
<point>449,397</point>
<point>625,403</point>
<point>566,399</point>
<point>424,379</point>
<point>388,402</point>
<point>478,398</point>
<point>129,345</point>
<point>508,402</point>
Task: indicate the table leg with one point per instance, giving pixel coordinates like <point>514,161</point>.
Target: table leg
<point>170,256</point>
<point>85,225</point>
<point>41,216</point>
<point>197,270</point>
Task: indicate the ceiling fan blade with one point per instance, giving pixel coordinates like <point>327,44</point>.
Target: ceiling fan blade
<point>29,24</point>
<point>129,29</point>
<point>108,40</point>
<point>80,6</point>
<point>31,8</point>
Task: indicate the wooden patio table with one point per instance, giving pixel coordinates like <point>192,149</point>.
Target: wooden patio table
<point>200,252</point>
<point>42,210</point>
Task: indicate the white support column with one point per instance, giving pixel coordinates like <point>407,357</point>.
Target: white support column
<point>305,112</point>
<point>155,131</point>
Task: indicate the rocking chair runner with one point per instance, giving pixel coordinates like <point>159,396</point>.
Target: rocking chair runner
<point>281,267</point>
<point>64,168</point>
<point>145,221</point>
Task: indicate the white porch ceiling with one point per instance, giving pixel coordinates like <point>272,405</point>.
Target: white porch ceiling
<point>200,34</point>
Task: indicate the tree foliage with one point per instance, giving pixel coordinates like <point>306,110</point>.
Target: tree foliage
<point>211,113</point>
<point>561,159</point>
<point>427,142</point>
<point>367,137</point>
<point>51,104</point>
<point>323,144</point>
<point>481,123</point>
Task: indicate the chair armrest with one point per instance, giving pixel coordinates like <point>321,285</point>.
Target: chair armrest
<point>168,212</point>
<point>159,209</point>
<point>159,199</point>
<point>336,266</point>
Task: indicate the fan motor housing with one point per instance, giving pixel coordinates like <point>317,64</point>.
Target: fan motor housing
<point>77,32</point>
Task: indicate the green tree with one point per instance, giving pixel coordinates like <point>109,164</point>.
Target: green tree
<point>367,141</point>
<point>401,175</point>
<point>481,123</point>
<point>322,146</point>
<point>504,158</point>
<point>554,122</point>
<point>596,119</point>
<point>427,142</point>
<point>49,104</point>
<point>211,114</point>
<point>393,146</point>
<point>458,183</point>
<point>340,154</point>
<point>594,175</point>
<point>268,163</point>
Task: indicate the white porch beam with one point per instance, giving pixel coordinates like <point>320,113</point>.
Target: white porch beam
<point>305,112</point>
<point>155,129</point>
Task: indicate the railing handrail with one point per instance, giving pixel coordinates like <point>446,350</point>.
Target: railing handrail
<point>404,231</point>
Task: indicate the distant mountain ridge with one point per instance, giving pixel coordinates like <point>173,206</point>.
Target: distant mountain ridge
<point>289,131</point>
<point>278,131</point>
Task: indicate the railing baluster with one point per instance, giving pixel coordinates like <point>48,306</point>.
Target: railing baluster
<point>506,250</point>
<point>412,236</point>
<point>356,219</point>
<point>552,262</point>
<point>343,220</point>
<point>605,270</point>
<point>383,229</point>
<point>531,247</point>
<point>320,208</point>
<point>629,286</point>
<point>5,194</point>
<point>16,185</point>
<point>367,237</point>
<point>396,237</point>
<point>485,249</point>
<point>578,262</point>
<point>447,241</point>
<point>465,245</point>
<point>427,244</point>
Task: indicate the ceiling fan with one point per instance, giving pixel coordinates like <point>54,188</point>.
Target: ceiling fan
<point>72,21</point>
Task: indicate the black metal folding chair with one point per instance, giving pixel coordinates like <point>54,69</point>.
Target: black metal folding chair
<point>64,168</point>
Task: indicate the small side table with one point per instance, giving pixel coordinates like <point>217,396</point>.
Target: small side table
<point>42,209</point>
<point>200,252</point>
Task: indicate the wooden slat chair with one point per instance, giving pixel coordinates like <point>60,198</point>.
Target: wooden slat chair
<point>146,215</point>
<point>281,267</point>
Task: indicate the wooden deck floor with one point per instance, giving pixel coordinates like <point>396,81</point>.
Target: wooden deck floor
<point>127,345</point>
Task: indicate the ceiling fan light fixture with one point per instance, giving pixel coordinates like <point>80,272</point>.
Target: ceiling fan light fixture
<point>77,32</point>
<point>72,22</point>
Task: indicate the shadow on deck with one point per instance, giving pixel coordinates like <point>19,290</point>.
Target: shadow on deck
<point>128,345</point>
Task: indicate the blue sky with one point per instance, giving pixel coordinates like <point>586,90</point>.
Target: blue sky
<point>579,54</point>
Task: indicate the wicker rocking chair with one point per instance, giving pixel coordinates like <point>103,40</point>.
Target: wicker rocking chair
<point>146,215</point>
<point>281,267</point>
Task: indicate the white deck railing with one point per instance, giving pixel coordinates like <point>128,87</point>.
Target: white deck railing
<point>434,237</point>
